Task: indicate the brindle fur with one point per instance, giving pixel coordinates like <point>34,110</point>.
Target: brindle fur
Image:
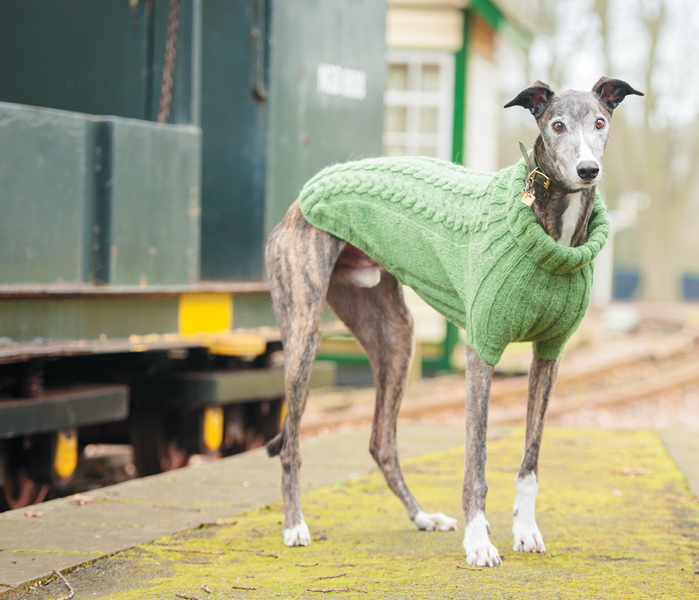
<point>478,378</point>
<point>301,266</point>
<point>300,261</point>
<point>551,203</point>
<point>542,380</point>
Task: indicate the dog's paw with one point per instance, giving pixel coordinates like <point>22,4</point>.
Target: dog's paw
<point>528,539</point>
<point>479,551</point>
<point>435,522</point>
<point>484,556</point>
<point>298,536</point>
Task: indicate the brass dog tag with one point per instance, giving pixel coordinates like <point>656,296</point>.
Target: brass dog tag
<point>527,197</point>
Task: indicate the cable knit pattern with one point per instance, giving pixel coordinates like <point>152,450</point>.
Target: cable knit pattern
<point>465,243</point>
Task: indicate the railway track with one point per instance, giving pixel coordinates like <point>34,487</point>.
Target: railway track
<point>616,373</point>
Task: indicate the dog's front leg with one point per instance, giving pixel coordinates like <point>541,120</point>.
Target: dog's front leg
<point>542,379</point>
<point>479,550</point>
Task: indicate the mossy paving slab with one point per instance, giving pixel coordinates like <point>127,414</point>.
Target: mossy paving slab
<point>16,566</point>
<point>616,514</point>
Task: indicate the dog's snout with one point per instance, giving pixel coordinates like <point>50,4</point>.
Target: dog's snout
<point>588,169</point>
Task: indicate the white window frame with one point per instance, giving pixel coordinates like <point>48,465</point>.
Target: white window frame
<point>413,99</point>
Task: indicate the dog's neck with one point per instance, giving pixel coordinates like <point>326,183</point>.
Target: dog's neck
<point>563,214</point>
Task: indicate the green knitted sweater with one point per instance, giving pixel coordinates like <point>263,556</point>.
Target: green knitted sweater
<point>465,243</point>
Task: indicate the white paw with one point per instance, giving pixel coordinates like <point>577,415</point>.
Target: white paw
<point>435,522</point>
<point>527,538</point>
<point>484,556</point>
<point>298,536</point>
<point>479,551</point>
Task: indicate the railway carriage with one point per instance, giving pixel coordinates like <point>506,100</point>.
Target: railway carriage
<point>147,147</point>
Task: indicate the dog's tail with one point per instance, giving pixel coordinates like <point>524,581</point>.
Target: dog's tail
<point>274,446</point>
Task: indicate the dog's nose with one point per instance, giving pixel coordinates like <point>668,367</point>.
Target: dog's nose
<point>588,170</point>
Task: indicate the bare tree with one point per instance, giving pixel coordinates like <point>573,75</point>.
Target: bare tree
<point>654,146</point>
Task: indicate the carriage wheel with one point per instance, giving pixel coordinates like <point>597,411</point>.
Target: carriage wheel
<point>157,447</point>
<point>19,489</point>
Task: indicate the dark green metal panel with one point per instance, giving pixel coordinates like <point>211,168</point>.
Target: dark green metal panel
<point>186,86</point>
<point>25,320</point>
<point>64,410</point>
<point>45,188</point>
<point>234,154</point>
<point>101,57</point>
<point>259,149</point>
<point>77,55</point>
<point>98,199</point>
<point>310,128</point>
<point>154,202</point>
<point>253,311</point>
<point>231,387</point>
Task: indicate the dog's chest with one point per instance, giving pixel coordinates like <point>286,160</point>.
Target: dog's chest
<point>571,218</point>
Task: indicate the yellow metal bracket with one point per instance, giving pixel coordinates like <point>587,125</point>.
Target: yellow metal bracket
<point>212,428</point>
<point>205,313</point>
<point>65,455</point>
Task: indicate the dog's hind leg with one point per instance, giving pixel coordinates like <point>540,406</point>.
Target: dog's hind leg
<point>479,550</point>
<point>300,261</point>
<point>383,325</point>
<point>542,379</point>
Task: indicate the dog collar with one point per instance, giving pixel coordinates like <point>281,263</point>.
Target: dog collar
<point>535,173</point>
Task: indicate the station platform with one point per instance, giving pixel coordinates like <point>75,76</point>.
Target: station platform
<point>616,509</point>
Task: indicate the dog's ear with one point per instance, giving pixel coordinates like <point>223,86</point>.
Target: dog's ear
<point>536,98</point>
<point>612,91</point>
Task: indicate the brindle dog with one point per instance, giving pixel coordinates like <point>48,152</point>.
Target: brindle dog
<point>307,266</point>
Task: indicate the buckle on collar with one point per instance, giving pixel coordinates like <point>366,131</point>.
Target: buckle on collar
<point>545,180</point>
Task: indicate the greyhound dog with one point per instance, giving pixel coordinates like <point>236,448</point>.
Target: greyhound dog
<point>307,266</point>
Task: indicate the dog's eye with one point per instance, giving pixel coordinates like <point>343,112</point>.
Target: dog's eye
<point>558,126</point>
<point>599,123</point>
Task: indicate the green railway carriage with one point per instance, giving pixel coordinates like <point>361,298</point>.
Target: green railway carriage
<point>147,147</point>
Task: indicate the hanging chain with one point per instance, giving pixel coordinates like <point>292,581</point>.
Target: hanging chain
<point>169,66</point>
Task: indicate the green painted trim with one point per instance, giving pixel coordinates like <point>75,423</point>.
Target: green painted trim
<point>490,12</point>
<point>360,361</point>
<point>458,147</point>
<point>450,340</point>
<point>460,73</point>
<point>499,21</point>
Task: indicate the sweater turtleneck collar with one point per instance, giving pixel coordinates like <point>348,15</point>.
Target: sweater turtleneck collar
<point>541,248</point>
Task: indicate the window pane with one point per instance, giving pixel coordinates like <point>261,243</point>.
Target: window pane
<point>427,151</point>
<point>428,119</point>
<point>394,150</point>
<point>395,121</point>
<point>397,77</point>
<point>430,78</point>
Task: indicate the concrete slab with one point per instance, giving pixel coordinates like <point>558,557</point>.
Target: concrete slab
<point>124,515</point>
<point>612,507</point>
<point>107,511</point>
<point>683,446</point>
<point>16,567</point>
<point>83,539</point>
